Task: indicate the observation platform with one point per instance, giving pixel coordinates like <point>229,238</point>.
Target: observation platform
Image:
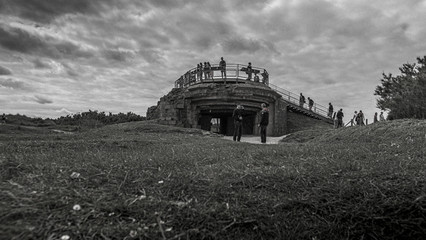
<point>240,74</point>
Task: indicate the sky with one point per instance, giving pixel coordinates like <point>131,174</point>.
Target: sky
<point>60,57</point>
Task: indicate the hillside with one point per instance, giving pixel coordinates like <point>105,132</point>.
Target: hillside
<point>391,131</point>
<point>140,180</point>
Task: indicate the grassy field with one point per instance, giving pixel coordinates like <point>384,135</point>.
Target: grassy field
<point>144,181</point>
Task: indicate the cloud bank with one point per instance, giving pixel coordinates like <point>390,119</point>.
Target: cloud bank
<point>117,56</point>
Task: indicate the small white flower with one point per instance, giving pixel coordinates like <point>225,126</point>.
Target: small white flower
<point>76,207</point>
<point>161,182</point>
<point>75,175</point>
<point>65,237</point>
<point>133,233</point>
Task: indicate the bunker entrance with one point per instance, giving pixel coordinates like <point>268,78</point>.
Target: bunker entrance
<point>220,121</point>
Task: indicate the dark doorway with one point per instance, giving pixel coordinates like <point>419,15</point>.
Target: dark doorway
<point>220,121</point>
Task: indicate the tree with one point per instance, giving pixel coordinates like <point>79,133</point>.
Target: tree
<point>404,96</point>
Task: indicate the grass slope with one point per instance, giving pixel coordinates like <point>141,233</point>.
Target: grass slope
<point>145,181</point>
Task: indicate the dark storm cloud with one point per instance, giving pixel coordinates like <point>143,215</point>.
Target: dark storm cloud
<point>166,3</point>
<point>241,45</point>
<point>5,71</point>
<point>42,100</point>
<point>19,40</point>
<point>118,55</point>
<point>13,84</point>
<point>45,11</point>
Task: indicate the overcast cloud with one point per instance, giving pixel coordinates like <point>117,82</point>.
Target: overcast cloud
<point>120,56</point>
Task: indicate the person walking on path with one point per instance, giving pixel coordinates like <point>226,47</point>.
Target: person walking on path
<point>301,100</point>
<point>382,118</point>
<point>263,123</point>
<point>222,66</point>
<point>311,103</point>
<point>237,115</point>
<point>339,116</point>
<point>330,110</point>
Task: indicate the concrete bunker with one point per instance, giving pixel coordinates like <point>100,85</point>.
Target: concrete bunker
<point>208,104</point>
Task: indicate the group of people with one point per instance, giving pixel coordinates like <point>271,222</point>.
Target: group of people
<point>204,71</point>
<point>382,118</point>
<point>358,118</point>
<point>238,115</point>
<point>302,101</point>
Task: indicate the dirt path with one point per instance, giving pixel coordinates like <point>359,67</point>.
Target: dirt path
<point>256,139</point>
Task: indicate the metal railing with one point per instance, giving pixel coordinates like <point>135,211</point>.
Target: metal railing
<point>294,98</point>
<point>234,72</point>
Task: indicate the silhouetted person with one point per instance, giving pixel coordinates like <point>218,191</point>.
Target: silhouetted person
<point>360,118</point>
<point>237,115</point>
<point>354,120</point>
<point>265,77</point>
<point>222,66</point>
<point>375,118</point>
<point>311,103</point>
<point>256,78</point>
<point>263,123</point>
<point>209,66</point>
<point>382,118</point>
<point>339,116</point>
<point>200,72</point>
<point>301,100</point>
<point>206,71</point>
<point>249,71</point>
<point>330,110</point>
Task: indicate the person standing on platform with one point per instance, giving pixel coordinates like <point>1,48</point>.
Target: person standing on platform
<point>222,65</point>
<point>249,71</point>
<point>256,78</point>
<point>265,77</point>
<point>237,115</point>
<point>263,123</point>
